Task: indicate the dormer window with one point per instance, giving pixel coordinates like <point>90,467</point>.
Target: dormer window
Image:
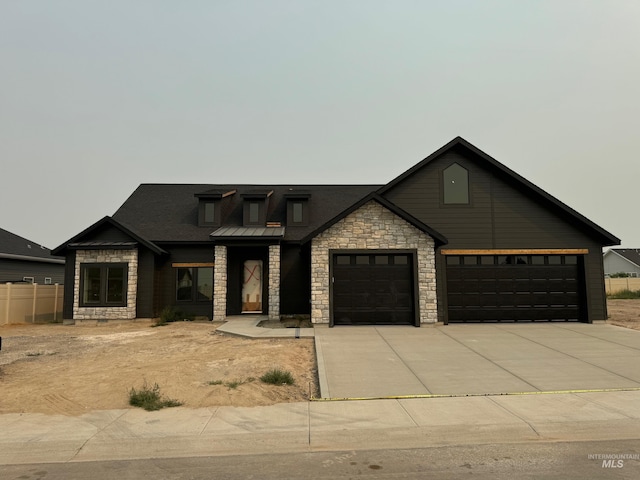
<point>254,212</point>
<point>455,185</point>
<point>256,204</point>
<point>296,212</point>
<point>209,212</point>
<point>298,209</point>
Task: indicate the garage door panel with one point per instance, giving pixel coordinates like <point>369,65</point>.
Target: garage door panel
<point>373,290</point>
<point>493,291</point>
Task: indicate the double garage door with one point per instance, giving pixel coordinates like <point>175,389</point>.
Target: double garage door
<point>378,289</point>
<point>513,288</point>
<point>373,289</point>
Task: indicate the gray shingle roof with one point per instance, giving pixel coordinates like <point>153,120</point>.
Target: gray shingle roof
<point>12,244</point>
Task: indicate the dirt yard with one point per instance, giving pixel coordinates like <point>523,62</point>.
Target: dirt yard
<point>624,313</point>
<point>57,369</point>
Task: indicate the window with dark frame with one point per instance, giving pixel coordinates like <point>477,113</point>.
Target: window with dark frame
<point>455,185</point>
<point>254,212</point>
<point>209,212</point>
<point>194,284</point>
<point>103,284</point>
<point>296,214</point>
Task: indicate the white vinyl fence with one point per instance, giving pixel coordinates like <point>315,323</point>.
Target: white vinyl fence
<point>30,303</point>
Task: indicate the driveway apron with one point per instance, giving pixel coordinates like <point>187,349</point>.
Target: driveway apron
<point>472,359</point>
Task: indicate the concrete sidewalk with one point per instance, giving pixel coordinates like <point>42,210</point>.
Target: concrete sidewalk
<point>365,362</point>
<point>318,426</point>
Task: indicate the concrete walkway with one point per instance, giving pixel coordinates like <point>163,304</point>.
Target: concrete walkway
<point>364,362</point>
<point>318,426</point>
<point>247,326</point>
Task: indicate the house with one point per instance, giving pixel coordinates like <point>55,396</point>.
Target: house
<point>458,237</point>
<point>622,260</point>
<point>22,260</point>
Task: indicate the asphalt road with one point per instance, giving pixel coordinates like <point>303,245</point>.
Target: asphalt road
<point>617,459</point>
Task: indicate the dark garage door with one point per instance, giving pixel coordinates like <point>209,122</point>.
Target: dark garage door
<point>513,288</point>
<point>373,289</point>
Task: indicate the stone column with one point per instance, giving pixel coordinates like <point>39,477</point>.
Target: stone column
<point>220,284</point>
<point>274,282</point>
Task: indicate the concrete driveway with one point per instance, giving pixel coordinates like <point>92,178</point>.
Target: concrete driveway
<point>364,362</point>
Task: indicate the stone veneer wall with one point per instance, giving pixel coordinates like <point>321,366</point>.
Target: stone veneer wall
<point>274,282</point>
<point>107,313</point>
<point>372,226</point>
<point>220,283</point>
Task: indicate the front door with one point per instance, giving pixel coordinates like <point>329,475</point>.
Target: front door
<point>252,286</point>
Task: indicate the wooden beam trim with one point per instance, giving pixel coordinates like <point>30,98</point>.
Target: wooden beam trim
<point>529,251</point>
<point>186,265</point>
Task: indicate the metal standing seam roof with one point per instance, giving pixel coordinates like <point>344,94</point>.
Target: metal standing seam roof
<point>248,232</point>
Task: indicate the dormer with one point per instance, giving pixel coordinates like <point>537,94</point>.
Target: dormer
<point>297,208</point>
<point>255,207</point>
<point>209,211</point>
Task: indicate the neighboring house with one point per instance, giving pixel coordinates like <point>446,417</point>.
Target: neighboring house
<point>22,260</point>
<point>458,237</point>
<point>622,260</point>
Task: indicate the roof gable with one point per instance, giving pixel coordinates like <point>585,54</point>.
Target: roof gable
<point>439,238</point>
<point>79,240</point>
<point>631,255</point>
<point>524,185</point>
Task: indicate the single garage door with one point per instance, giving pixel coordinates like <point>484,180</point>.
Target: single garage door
<point>514,288</point>
<point>373,289</point>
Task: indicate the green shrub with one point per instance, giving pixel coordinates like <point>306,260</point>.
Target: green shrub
<point>233,384</point>
<point>150,398</point>
<point>172,314</point>
<point>276,376</point>
<point>625,294</point>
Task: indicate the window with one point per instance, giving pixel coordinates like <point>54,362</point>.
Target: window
<point>47,280</point>
<point>297,212</point>
<point>194,284</point>
<point>28,279</point>
<point>254,212</point>
<point>103,284</point>
<point>209,212</point>
<point>455,185</point>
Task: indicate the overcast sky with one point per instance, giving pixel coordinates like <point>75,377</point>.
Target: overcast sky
<point>97,97</point>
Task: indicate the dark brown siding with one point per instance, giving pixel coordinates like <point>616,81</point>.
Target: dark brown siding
<point>166,278</point>
<point>146,268</point>
<point>295,280</point>
<point>499,215</point>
